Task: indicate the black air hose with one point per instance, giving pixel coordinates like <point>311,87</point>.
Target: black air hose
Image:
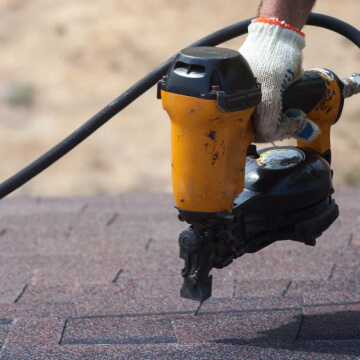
<point>104,115</point>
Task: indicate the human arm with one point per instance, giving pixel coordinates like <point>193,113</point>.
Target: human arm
<point>293,12</point>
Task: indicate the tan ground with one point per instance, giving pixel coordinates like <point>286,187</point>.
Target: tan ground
<point>76,56</point>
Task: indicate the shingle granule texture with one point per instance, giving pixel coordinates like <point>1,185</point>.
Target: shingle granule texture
<point>99,278</point>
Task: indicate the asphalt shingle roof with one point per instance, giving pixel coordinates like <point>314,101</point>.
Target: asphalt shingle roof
<point>99,278</point>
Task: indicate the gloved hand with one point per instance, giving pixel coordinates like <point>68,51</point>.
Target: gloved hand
<point>273,50</point>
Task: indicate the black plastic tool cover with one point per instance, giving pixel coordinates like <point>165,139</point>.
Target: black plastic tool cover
<point>213,73</point>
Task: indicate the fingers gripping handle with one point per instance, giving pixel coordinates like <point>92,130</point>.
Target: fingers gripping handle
<point>320,94</point>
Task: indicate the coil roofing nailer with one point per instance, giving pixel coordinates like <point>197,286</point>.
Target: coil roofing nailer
<point>236,199</point>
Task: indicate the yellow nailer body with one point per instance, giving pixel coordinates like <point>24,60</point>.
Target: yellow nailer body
<point>208,152</point>
<point>211,128</point>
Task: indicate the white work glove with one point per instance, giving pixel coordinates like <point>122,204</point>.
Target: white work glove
<point>274,54</point>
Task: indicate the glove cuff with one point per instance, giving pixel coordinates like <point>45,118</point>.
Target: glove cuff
<point>270,37</point>
<point>277,21</point>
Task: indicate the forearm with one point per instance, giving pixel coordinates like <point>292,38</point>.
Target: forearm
<point>293,12</point>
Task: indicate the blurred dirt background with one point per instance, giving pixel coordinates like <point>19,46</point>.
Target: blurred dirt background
<point>61,61</point>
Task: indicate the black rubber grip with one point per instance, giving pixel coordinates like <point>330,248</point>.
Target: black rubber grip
<point>305,93</point>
